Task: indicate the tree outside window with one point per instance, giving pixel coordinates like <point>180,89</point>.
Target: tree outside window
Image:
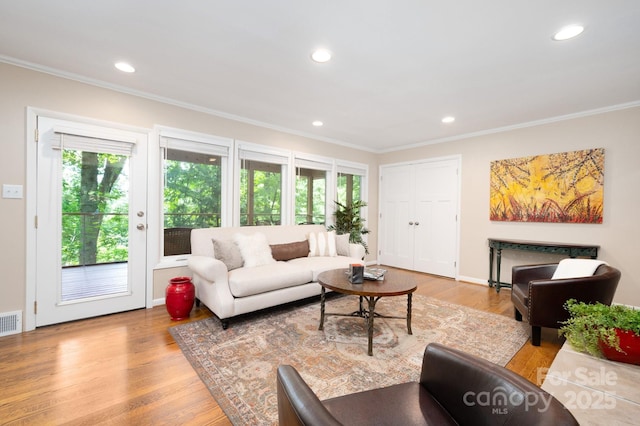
<point>349,188</point>
<point>310,196</point>
<point>260,193</point>
<point>192,197</point>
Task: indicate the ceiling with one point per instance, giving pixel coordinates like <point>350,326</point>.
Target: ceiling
<point>398,67</point>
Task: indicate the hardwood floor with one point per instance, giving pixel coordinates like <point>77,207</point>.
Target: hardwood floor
<point>126,368</point>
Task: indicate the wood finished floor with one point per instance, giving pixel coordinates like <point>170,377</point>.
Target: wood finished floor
<point>126,368</point>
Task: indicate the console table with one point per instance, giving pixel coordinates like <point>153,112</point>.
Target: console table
<point>571,250</point>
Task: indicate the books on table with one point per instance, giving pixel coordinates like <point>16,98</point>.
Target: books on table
<point>374,273</point>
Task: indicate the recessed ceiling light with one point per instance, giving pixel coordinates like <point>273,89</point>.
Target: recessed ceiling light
<point>321,55</point>
<point>448,119</point>
<point>317,123</point>
<point>568,32</point>
<point>125,67</point>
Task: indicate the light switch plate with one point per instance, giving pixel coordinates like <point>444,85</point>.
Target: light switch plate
<point>11,191</point>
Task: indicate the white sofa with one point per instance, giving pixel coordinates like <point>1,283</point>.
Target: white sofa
<point>228,293</point>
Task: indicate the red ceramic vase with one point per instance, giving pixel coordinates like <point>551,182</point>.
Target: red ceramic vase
<point>179,297</point>
<point>629,343</point>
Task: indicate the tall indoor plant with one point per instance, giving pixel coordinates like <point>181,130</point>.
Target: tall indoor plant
<point>348,220</point>
<point>606,331</point>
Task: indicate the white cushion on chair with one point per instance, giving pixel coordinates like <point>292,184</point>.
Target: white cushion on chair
<point>576,268</point>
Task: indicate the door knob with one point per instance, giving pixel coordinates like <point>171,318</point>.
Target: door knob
<point>417,223</point>
<point>141,226</point>
<point>410,223</point>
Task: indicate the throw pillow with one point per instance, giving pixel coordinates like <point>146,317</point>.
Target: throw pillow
<point>290,251</point>
<point>255,249</point>
<point>322,244</point>
<point>228,253</point>
<point>576,268</point>
<point>342,244</point>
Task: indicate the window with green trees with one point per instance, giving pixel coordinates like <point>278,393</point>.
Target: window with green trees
<point>310,196</point>
<point>349,188</point>
<point>192,190</point>
<point>95,208</point>
<point>192,196</point>
<point>260,193</point>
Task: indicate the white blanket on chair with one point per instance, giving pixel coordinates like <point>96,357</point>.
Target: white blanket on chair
<point>576,268</point>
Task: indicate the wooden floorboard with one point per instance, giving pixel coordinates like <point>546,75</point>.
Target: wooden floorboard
<point>126,368</point>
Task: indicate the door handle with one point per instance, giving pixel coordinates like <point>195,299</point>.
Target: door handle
<point>410,223</point>
<point>417,223</point>
<point>141,226</point>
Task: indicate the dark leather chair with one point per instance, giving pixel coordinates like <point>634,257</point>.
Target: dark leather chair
<point>454,388</point>
<point>540,299</point>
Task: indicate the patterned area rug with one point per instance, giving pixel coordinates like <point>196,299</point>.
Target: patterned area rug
<point>238,365</point>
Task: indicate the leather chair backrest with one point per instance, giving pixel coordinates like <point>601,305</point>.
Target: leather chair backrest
<point>477,392</point>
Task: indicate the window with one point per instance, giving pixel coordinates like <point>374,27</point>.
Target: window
<point>350,184</point>
<point>310,196</point>
<point>194,194</point>
<point>311,190</point>
<point>262,177</point>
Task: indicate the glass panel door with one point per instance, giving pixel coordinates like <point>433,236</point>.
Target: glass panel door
<point>91,221</point>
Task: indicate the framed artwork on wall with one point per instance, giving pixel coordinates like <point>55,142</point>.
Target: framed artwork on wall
<point>566,187</point>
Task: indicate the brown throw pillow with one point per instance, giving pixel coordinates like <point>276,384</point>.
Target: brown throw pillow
<point>290,251</point>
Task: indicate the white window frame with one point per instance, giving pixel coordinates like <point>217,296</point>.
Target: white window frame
<point>251,151</point>
<point>352,168</point>
<point>188,141</point>
<point>314,162</point>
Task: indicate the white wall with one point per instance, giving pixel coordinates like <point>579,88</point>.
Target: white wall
<point>619,235</point>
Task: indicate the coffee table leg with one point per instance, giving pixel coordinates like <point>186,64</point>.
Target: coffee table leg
<point>409,296</point>
<point>372,311</point>
<point>321,309</point>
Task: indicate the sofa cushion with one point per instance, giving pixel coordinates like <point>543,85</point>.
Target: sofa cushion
<point>318,264</point>
<point>322,244</point>
<point>228,253</point>
<point>290,250</point>
<point>254,248</point>
<point>260,279</point>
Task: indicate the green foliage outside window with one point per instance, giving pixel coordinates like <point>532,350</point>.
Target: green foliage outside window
<point>94,208</point>
<point>192,190</point>
<point>260,193</point>
<point>310,196</point>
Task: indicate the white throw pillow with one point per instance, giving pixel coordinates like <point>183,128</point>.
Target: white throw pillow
<point>342,244</point>
<point>576,268</point>
<point>254,248</point>
<point>322,244</point>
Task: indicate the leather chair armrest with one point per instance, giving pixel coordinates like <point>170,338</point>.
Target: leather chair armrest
<point>297,403</point>
<point>524,273</point>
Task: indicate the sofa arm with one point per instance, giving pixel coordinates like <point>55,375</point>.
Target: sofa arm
<point>209,268</point>
<point>356,251</point>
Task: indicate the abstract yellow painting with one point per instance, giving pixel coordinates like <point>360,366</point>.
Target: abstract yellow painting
<point>563,187</point>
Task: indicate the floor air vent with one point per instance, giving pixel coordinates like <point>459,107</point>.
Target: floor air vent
<point>10,323</point>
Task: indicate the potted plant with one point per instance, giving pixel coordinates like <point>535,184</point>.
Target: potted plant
<point>606,331</point>
<point>347,220</point>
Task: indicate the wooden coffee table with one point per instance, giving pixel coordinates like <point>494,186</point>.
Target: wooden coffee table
<point>395,283</point>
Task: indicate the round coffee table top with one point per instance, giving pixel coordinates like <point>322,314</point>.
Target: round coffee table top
<point>395,283</point>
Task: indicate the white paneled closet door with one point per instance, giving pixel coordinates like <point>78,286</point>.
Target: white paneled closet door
<point>419,210</point>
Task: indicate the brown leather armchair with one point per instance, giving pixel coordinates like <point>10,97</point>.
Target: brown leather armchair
<point>454,388</point>
<point>541,300</point>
